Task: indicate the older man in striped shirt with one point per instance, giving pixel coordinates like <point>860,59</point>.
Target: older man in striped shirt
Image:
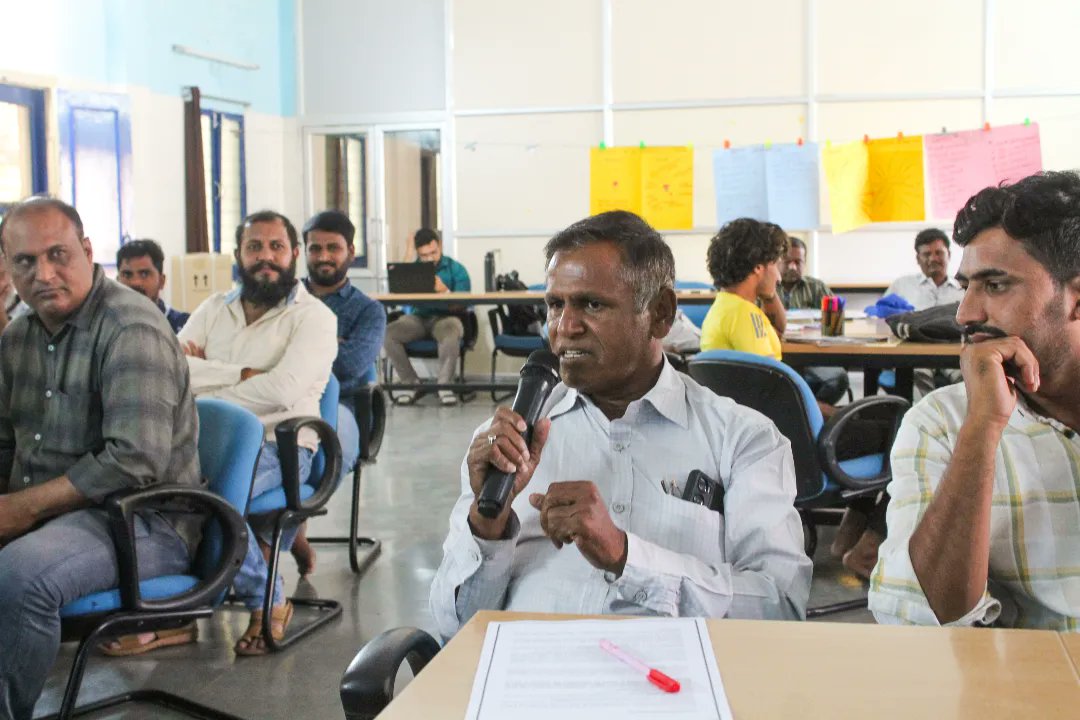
<point>984,524</point>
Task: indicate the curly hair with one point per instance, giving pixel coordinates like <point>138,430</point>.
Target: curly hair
<point>1041,212</point>
<point>740,246</point>
<point>648,264</point>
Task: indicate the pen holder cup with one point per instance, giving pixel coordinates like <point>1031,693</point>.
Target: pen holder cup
<point>832,323</point>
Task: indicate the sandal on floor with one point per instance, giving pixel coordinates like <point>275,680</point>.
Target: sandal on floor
<point>125,645</point>
<point>280,617</point>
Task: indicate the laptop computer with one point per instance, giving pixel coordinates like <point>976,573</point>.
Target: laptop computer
<point>411,277</point>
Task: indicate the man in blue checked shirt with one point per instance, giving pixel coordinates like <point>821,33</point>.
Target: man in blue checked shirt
<point>438,323</point>
<point>330,250</point>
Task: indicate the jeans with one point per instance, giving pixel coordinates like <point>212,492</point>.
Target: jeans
<point>69,557</point>
<point>829,384</point>
<point>348,433</point>
<point>250,581</point>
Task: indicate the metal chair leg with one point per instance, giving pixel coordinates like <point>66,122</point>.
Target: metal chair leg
<point>839,607</point>
<point>332,608</point>
<point>374,547</point>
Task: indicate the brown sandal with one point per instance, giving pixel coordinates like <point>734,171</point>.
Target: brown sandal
<point>125,645</point>
<point>280,617</point>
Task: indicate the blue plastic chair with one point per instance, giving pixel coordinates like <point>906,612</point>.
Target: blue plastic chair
<point>696,313</point>
<point>512,345</point>
<point>230,439</point>
<point>299,499</point>
<point>822,480</point>
<point>429,349</point>
<point>370,412</point>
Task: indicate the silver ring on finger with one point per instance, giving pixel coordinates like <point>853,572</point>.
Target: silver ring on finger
<point>491,439</point>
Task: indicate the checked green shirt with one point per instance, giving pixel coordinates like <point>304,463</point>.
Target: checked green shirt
<point>805,295</point>
<point>1034,578</point>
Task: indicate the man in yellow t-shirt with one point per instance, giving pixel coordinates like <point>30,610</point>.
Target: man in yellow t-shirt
<point>744,261</point>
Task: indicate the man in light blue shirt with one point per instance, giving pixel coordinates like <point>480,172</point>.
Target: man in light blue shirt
<point>596,531</point>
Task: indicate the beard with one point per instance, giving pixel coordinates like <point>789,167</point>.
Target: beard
<point>328,274</point>
<point>266,293</point>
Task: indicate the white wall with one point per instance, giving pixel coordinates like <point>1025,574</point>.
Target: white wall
<point>532,86</point>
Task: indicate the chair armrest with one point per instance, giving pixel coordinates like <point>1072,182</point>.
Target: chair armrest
<point>121,508</point>
<point>286,433</point>
<point>368,684</point>
<point>494,319</point>
<point>369,409</point>
<point>885,408</point>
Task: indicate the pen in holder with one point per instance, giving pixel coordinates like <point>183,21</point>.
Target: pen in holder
<point>832,316</point>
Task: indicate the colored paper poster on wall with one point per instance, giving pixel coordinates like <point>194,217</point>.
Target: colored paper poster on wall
<point>792,186</point>
<point>739,180</point>
<point>667,187</point>
<point>1016,152</point>
<point>896,188</point>
<point>615,179</point>
<point>847,175</point>
<point>963,163</point>
<point>958,165</point>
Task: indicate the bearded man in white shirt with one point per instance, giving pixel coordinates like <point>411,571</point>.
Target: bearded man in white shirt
<point>982,527</point>
<point>589,527</point>
<point>267,346</point>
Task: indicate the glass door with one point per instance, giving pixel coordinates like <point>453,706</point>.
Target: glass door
<point>388,179</point>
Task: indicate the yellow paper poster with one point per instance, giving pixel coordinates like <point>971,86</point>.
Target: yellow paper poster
<point>896,179</point>
<point>615,179</point>
<point>847,175</point>
<point>667,187</point>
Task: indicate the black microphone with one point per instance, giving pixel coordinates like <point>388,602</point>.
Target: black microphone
<point>539,377</point>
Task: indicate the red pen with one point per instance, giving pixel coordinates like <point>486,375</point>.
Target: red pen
<point>653,675</point>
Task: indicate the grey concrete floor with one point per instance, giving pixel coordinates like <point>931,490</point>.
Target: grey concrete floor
<point>406,499</point>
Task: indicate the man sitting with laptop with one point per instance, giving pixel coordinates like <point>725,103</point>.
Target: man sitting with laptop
<point>441,324</point>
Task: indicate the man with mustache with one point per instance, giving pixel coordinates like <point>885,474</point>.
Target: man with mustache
<point>140,264</point>
<point>95,398</point>
<point>267,346</point>
<point>932,286</point>
<point>983,524</point>
<point>330,251</point>
<point>597,530</point>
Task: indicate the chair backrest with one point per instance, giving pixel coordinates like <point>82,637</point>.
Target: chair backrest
<point>230,438</point>
<point>328,411</point>
<point>696,313</point>
<point>776,391</point>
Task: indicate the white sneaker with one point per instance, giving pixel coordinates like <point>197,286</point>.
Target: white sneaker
<point>405,397</point>
<point>448,397</point>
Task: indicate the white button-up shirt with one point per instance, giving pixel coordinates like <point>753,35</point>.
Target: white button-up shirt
<point>682,559</point>
<point>922,292</point>
<point>295,343</point>
<point>1034,518</point>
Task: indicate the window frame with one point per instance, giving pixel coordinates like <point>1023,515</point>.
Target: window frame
<point>216,117</point>
<point>34,100</point>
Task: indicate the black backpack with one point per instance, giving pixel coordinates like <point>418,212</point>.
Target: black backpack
<point>520,319</point>
<point>934,324</point>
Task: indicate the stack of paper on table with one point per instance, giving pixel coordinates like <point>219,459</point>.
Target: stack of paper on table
<point>534,670</point>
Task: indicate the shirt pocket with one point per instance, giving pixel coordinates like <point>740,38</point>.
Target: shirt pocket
<point>686,527</point>
<point>73,423</point>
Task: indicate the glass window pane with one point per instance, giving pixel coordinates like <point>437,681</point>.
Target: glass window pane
<point>412,188</point>
<point>16,164</point>
<point>230,189</point>
<point>356,205</point>
<point>97,177</point>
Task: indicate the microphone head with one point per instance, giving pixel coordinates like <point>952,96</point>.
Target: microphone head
<point>542,360</point>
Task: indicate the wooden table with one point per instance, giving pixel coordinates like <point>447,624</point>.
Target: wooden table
<point>1071,641</point>
<point>825,670</point>
<point>873,357</point>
